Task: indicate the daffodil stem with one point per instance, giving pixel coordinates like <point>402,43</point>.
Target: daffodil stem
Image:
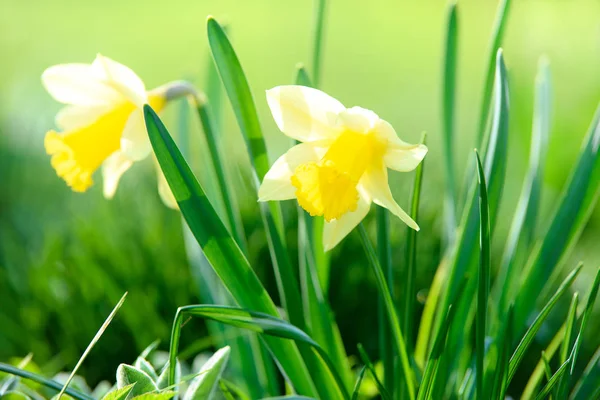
<point>318,32</point>
<point>392,316</point>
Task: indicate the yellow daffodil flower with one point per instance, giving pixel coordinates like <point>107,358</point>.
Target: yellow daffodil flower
<point>102,124</point>
<point>341,166</point>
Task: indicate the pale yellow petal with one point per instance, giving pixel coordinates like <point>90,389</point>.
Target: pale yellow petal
<point>399,155</point>
<point>134,140</point>
<point>122,78</point>
<point>164,191</point>
<point>375,182</point>
<point>338,229</point>
<point>358,119</point>
<point>303,113</point>
<point>277,184</point>
<point>78,85</point>
<point>75,117</point>
<point>112,170</point>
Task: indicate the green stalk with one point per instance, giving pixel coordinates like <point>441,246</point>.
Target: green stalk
<point>317,50</point>
<point>393,320</point>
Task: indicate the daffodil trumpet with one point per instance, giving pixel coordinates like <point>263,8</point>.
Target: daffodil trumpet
<point>340,166</point>
<point>102,125</point>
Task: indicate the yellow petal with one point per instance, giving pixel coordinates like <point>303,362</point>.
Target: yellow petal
<point>399,155</point>
<point>77,84</point>
<point>375,183</point>
<point>303,113</point>
<point>277,184</point>
<point>112,170</point>
<point>75,117</point>
<point>338,229</point>
<point>122,78</point>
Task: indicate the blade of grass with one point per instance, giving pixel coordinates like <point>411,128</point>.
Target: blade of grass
<point>577,203</point>
<point>411,257</point>
<point>547,369</point>
<point>242,102</point>
<point>500,380</point>
<point>588,382</point>
<point>262,323</point>
<point>567,342</point>
<point>92,344</point>
<point>359,380</point>
<point>553,381</point>
<point>448,99</point>
<point>318,33</point>
<point>483,279</point>
<point>526,340</point>
<point>525,217</point>
<point>385,395</point>
<point>220,249</point>
<point>384,291</point>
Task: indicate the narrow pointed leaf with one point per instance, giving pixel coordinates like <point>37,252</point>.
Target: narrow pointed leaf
<point>207,381</point>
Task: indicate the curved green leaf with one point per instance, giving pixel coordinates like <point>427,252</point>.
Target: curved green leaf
<point>204,385</point>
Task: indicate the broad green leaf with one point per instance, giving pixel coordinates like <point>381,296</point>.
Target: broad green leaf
<point>239,94</point>
<point>483,279</point>
<point>448,99</point>
<point>394,322</point>
<point>264,324</point>
<point>522,230</point>
<point>156,396</point>
<point>220,249</point>
<point>143,365</point>
<point>119,394</point>
<point>127,375</point>
<point>526,340</point>
<point>577,203</point>
<point>205,384</point>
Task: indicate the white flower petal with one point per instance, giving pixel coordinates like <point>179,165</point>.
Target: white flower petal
<point>304,113</point>
<point>112,169</point>
<point>122,78</point>
<point>77,84</point>
<point>358,119</point>
<point>338,229</point>
<point>134,140</point>
<point>164,191</point>
<point>375,182</point>
<point>399,155</point>
<point>277,184</point>
<point>75,117</point>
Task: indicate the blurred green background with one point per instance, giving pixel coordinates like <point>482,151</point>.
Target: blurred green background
<point>66,258</point>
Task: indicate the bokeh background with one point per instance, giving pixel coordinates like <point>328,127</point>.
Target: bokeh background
<point>66,258</point>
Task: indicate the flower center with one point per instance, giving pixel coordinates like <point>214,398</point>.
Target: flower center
<point>77,154</point>
<point>328,187</point>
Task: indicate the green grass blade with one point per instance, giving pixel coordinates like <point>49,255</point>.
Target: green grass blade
<point>262,323</point>
<point>501,373</point>
<point>553,381</point>
<point>384,291</point>
<point>526,340</point>
<point>525,217</point>
<point>359,380</point>
<point>588,383</point>
<point>219,247</point>
<point>448,114</point>
<point>317,45</point>
<point>495,44</point>
<point>93,343</point>
<point>205,384</point>
<point>49,383</point>
<point>239,94</point>
<point>483,279</point>
<point>577,203</point>
<point>567,342</point>
<point>385,395</point>
<point>411,258</point>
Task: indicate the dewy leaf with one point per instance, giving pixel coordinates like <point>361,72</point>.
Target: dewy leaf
<point>143,365</point>
<point>205,384</point>
<point>128,375</point>
<point>220,249</point>
<point>119,394</point>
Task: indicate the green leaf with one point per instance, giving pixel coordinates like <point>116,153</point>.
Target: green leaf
<point>127,375</point>
<point>359,380</point>
<point>15,395</point>
<point>385,395</point>
<point>119,394</point>
<point>290,397</point>
<point>522,230</point>
<point>394,323</point>
<point>265,324</point>
<point>566,343</point>
<point>239,94</point>
<point>143,365</point>
<point>523,345</point>
<point>204,386</point>
<point>151,347</point>
<point>318,33</point>
<point>163,379</point>
<point>156,396</point>
<point>220,249</point>
<point>588,383</point>
<point>448,99</point>
<point>483,279</point>
<point>538,372</point>
<point>577,203</point>
<point>553,381</point>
